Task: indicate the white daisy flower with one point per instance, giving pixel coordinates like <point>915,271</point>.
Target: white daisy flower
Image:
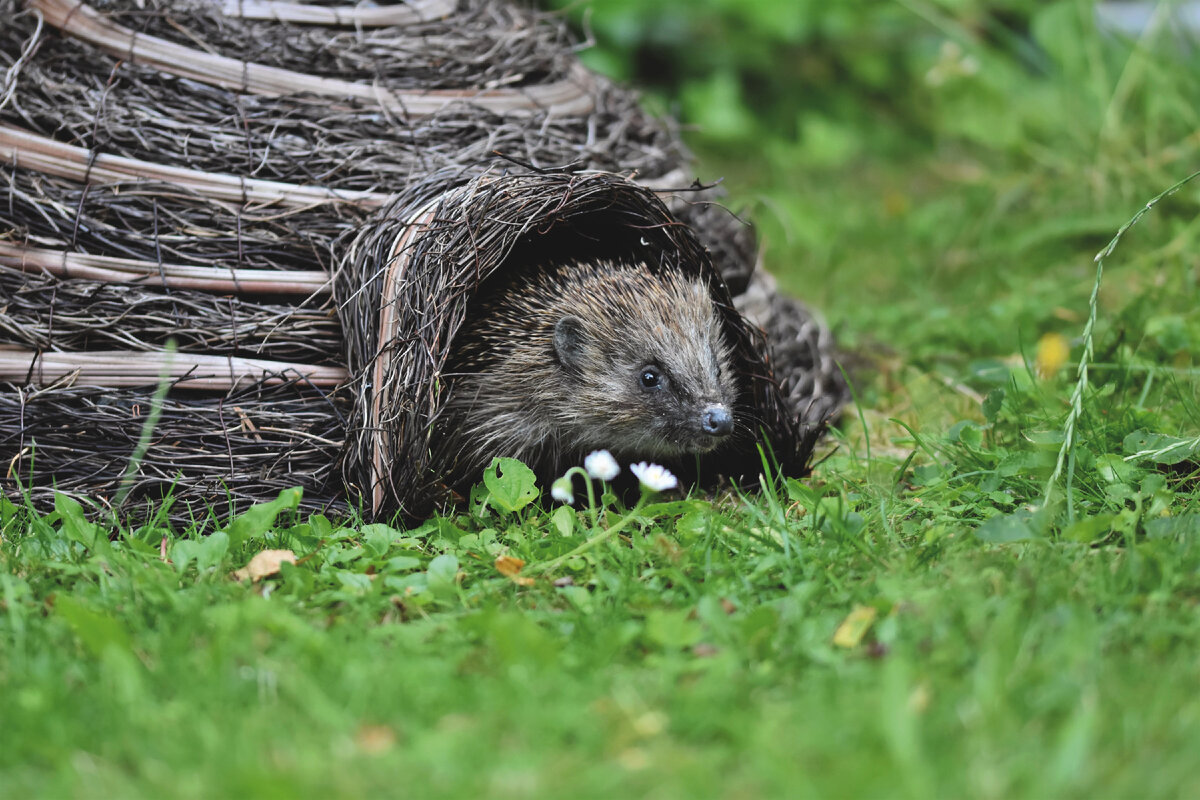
<point>560,490</point>
<point>654,477</point>
<point>601,465</point>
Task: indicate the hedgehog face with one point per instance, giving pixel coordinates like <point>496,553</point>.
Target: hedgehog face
<point>589,355</point>
<point>652,376</point>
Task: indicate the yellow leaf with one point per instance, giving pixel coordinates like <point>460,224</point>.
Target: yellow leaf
<point>1052,352</point>
<point>374,739</point>
<point>264,564</point>
<point>855,626</point>
<point>918,699</point>
<point>508,566</point>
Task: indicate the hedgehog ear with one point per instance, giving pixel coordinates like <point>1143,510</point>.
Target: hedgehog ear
<point>569,341</point>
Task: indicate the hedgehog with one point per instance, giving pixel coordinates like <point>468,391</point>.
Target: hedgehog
<point>587,355</point>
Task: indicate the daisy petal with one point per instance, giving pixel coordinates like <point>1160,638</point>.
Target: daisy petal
<point>601,465</point>
<point>654,477</point>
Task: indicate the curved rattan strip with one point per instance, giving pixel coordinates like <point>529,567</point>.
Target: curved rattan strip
<point>186,370</point>
<point>366,16</point>
<point>30,151</point>
<point>392,293</point>
<point>567,97</point>
<point>109,269</point>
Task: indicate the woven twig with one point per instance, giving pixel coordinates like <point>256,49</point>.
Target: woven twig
<point>568,97</point>
<point>184,370</point>
<point>28,150</point>
<point>208,451</point>
<point>107,269</point>
<point>354,16</point>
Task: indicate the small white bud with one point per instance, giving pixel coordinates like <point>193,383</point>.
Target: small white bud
<point>560,490</point>
<point>601,465</point>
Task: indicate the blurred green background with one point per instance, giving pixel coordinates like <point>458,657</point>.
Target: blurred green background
<point>936,175</point>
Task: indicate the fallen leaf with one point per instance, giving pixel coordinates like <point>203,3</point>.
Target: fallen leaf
<point>918,699</point>
<point>264,564</point>
<point>509,566</point>
<point>1066,314</point>
<point>633,759</point>
<point>855,626</point>
<point>374,739</point>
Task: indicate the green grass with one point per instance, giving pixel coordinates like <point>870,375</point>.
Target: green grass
<point>1015,648</point>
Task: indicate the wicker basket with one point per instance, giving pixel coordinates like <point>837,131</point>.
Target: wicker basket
<point>301,199</point>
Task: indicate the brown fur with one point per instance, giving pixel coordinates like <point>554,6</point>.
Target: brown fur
<point>524,385</point>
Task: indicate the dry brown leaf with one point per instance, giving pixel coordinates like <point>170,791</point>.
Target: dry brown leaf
<point>508,566</point>
<point>855,626</point>
<point>264,564</point>
<point>375,739</point>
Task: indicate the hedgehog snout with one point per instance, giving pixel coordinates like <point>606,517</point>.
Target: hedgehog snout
<point>716,420</point>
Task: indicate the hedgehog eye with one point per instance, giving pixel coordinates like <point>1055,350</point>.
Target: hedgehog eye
<point>650,377</point>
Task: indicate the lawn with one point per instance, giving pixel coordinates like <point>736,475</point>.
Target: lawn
<point>987,588</point>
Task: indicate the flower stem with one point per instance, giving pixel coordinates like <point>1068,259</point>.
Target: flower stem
<point>599,538</point>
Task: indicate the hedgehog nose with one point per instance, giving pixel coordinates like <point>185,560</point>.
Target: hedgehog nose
<point>716,421</point>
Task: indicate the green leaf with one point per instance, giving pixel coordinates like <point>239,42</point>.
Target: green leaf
<point>75,524</point>
<point>1090,529</point>
<point>354,581</point>
<point>512,485</point>
<point>802,493</point>
<point>378,538</point>
<point>927,474</point>
<point>320,526</point>
<point>992,404</point>
<point>516,639</point>
<point>1045,438</point>
<point>1160,448</point>
<point>1015,527</point>
<point>1171,331</point>
<point>759,627</point>
<point>672,629</point>
<point>207,552</point>
<point>990,371</point>
<point>259,518</point>
<point>98,631</point>
<point>402,563</point>
<point>8,511</point>
<point>1173,527</point>
<point>1114,469</point>
<point>442,575</point>
<point>966,432</point>
<point>564,520</point>
<point>693,524</point>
